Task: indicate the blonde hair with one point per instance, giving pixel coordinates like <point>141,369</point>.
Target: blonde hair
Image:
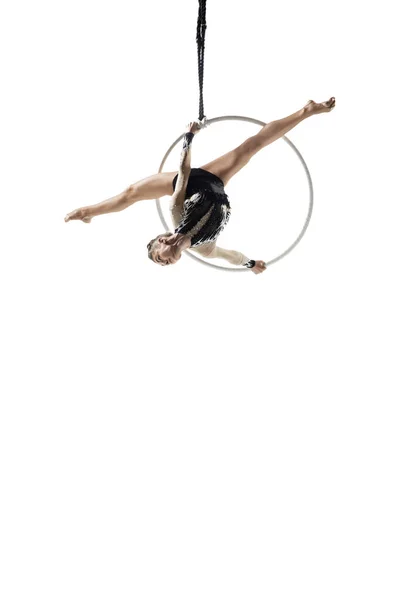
<point>152,242</point>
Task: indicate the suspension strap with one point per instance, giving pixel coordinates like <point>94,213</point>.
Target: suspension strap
<point>201,39</point>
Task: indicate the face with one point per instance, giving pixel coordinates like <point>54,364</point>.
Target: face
<point>165,252</point>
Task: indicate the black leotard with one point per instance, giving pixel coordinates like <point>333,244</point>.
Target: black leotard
<point>206,209</point>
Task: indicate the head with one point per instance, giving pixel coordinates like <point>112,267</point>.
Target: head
<point>164,249</point>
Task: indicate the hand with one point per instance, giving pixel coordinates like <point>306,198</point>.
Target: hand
<point>259,267</point>
<point>193,127</point>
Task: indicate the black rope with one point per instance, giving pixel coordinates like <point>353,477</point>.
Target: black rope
<point>201,39</point>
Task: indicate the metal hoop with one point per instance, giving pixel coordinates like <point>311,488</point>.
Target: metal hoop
<point>310,187</point>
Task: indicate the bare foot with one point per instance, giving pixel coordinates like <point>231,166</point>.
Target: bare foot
<point>77,215</point>
<point>317,108</point>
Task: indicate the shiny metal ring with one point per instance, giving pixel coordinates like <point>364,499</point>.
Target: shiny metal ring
<point>310,187</point>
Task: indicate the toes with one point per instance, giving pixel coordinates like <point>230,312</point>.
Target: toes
<point>329,104</point>
<point>75,215</point>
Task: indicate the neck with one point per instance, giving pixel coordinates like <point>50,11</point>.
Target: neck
<point>182,241</point>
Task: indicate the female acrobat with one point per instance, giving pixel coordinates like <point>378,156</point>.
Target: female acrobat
<point>199,206</point>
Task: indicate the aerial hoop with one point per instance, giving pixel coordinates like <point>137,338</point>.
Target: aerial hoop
<point>310,187</point>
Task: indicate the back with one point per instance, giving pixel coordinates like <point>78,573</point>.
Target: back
<point>206,209</point>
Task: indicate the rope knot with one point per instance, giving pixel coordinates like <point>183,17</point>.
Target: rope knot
<point>202,123</point>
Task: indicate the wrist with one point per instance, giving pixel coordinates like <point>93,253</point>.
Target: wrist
<point>187,139</point>
<point>85,212</point>
<point>247,262</point>
<point>250,264</point>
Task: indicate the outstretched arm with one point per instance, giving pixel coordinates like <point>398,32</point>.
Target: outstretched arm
<point>234,257</point>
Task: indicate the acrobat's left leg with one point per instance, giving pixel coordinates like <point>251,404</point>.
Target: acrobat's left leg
<point>152,187</point>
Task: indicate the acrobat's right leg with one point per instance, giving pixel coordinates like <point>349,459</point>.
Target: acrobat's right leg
<point>226,166</point>
<point>149,188</point>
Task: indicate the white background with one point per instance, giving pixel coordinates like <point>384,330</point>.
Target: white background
<point>183,432</point>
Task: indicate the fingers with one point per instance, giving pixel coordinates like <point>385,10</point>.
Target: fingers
<point>193,127</point>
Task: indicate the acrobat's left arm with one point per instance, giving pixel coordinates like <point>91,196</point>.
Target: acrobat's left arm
<point>233,257</point>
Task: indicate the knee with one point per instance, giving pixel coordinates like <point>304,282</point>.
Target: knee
<point>130,190</point>
<point>131,193</point>
<point>127,197</point>
<point>249,147</point>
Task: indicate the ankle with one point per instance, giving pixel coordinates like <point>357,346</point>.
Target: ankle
<point>308,110</point>
<point>85,213</point>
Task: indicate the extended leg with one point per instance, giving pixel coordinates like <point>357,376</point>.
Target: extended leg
<point>149,188</point>
<point>229,164</point>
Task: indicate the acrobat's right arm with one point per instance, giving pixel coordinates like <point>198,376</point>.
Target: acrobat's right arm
<point>178,197</point>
